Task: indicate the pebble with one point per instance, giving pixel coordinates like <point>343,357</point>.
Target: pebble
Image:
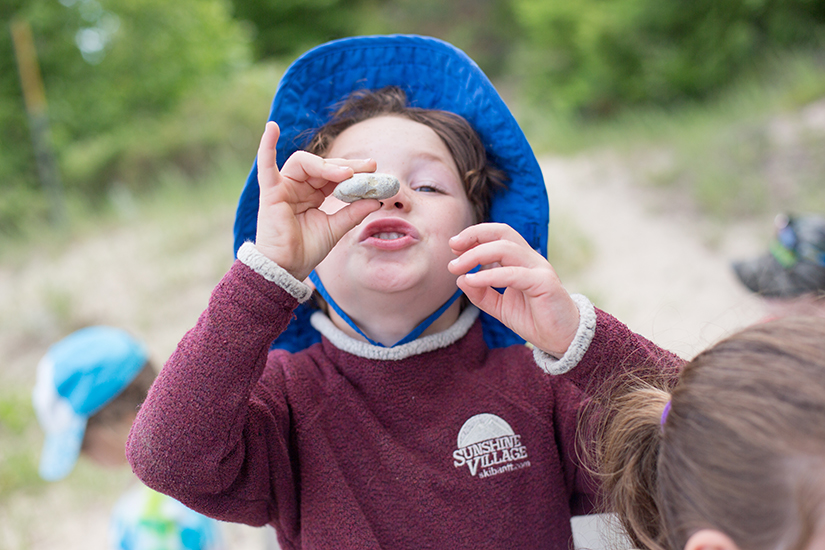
<point>367,186</point>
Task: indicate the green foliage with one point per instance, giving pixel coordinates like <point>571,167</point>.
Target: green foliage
<point>289,27</point>
<point>223,118</point>
<point>753,150</point>
<point>596,56</point>
<point>485,29</point>
<point>142,57</point>
<point>20,441</point>
<point>106,66</point>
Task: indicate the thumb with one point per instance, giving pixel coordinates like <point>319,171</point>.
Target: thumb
<point>348,217</point>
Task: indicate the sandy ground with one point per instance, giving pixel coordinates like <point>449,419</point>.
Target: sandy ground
<point>654,265</point>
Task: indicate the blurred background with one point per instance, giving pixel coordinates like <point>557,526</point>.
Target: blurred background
<point>676,129</point>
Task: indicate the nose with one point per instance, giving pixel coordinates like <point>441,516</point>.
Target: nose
<point>399,201</point>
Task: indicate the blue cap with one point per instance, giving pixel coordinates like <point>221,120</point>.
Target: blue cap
<point>434,75</point>
<point>75,379</point>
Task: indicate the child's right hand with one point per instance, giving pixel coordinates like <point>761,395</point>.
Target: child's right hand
<point>292,231</point>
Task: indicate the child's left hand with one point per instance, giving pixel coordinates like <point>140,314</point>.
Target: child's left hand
<point>534,305</point>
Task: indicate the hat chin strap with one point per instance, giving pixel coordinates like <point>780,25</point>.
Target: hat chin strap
<point>416,332</point>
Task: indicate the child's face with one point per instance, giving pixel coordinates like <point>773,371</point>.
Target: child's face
<point>402,246</point>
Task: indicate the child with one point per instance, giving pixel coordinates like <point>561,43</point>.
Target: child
<point>791,275</point>
<point>733,456</point>
<point>89,386</point>
<point>402,428</point>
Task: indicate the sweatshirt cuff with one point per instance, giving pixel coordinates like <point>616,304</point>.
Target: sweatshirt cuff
<point>271,271</point>
<point>580,344</point>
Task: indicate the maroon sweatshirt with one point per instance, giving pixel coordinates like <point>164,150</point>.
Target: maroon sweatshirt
<point>452,446</point>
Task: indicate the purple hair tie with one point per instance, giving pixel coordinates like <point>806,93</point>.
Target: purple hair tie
<point>664,414</point>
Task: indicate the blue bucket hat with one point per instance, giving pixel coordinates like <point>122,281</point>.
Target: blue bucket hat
<point>77,377</point>
<point>434,75</point>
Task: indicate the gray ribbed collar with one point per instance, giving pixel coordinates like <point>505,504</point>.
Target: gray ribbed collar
<point>346,343</point>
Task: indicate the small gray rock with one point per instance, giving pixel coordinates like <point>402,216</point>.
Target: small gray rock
<point>367,186</point>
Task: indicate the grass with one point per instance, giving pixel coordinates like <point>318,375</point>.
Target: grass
<point>21,440</point>
<point>726,155</point>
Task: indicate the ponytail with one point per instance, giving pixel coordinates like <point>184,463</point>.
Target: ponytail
<point>628,438</point>
<point>741,451</point>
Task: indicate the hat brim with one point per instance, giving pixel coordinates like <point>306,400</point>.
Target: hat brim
<point>61,450</point>
<point>435,75</point>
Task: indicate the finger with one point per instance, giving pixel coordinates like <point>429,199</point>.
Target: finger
<point>358,165</point>
<point>528,281</point>
<point>483,233</point>
<point>486,299</point>
<point>322,173</point>
<point>304,167</point>
<point>501,252</point>
<point>267,154</point>
<point>348,217</point>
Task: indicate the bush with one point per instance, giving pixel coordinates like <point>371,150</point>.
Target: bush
<point>595,57</point>
<point>107,66</point>
<point>223,119</point>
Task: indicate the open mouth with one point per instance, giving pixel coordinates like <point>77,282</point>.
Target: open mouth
<point>389,233</point>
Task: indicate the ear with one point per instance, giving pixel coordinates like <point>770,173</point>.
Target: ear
<point>710,539</point>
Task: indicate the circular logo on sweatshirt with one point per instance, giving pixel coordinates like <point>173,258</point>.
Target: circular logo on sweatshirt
<point>488,446</point>
<point>482,427</point>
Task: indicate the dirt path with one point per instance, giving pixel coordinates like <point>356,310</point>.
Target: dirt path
<point>651,267</point>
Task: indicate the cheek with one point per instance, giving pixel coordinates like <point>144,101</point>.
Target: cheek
<point>334,262</point>
<point>462,218</point>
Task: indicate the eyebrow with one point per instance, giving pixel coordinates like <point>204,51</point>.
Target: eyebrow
<point>425,155</point>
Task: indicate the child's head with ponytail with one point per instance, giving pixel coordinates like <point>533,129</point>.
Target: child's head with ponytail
<point>733,456</point>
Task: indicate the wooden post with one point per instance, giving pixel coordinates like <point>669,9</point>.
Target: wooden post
<point>34,96</point>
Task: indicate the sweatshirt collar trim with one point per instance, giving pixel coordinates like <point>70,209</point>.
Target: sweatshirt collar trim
<point>425,344</point>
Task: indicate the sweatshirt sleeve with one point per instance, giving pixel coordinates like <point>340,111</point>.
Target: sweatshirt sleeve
<point>205,434</point>
<point>604,349</point>
<point>613,352</point>
<point>616,352</point>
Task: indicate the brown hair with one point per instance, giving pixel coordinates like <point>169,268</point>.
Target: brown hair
<point>125,403</point>
<point>741,450</point>
<point>479,176</point>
